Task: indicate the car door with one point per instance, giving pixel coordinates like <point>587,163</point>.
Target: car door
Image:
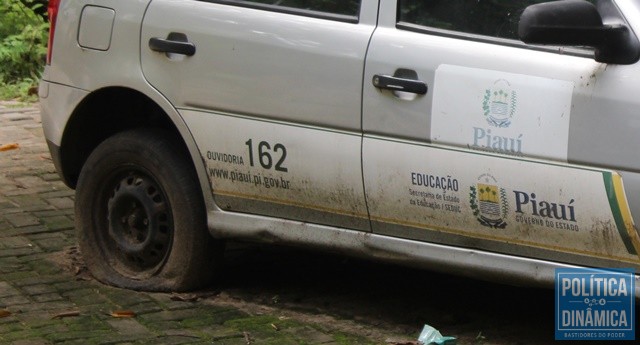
<point>474,139</point>
<point>271,91</point>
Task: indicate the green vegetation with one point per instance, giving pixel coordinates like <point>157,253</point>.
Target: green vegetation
<point>493,18</point>
<point>23,47</point>
<point>345,7</point>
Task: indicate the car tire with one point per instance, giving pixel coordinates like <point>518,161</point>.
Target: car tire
<point>140,215</point>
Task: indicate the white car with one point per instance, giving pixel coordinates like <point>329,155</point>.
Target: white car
<point>419,132</point>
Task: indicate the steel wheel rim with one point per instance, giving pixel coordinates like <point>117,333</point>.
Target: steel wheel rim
<point>139,223</point>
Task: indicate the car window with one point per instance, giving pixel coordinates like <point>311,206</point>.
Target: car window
<point>495,18</point>
<point>349,8</point>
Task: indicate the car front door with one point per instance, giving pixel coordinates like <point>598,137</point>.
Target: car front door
<point>473,139</point>
<point>271,91</point>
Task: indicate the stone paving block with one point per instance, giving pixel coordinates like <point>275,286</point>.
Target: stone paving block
<point>12,209</point>
<point>64,192</point>
<point>14,302</point>
<point>45,268</point>
<point>69,285</point>
<point>13,276</point>
<point>85,322</point>
<point>29,259</point>
<point>310,335</point>
<point>38,289</point>
<point>27,230</point>
<point>34,341</point>
<point>74,335</point>
<point>129,327</point>
<point>161,325</point>
<point>21,219</point>
<point>91,299</point>
<point>52,308</point>
<point>125,298</point>
<point>32,182</point>
<point>57,243</point>
<point>61,202</point>
<point>49,297</point>
<point>145,308</point>
<point>38,279</point>
<point>16,335</point>
<point>11,263</point>
<point>27,200</point>
<point>175,315</point>
<point>57,222</point>
<point>5,203</point>
<point>38,208</point>
<point>19,251</point>
<point>7,290</point>
<point>37,319</point>
<point>15,242</point>
<point>53,327</point>
<point>54,212</point>
<point>50,176</point>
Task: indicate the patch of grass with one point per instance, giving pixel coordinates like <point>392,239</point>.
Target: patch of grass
<point>25,90</point>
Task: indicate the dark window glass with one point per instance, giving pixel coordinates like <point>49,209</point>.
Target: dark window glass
<point>495,18</point>
<point>341,7</point>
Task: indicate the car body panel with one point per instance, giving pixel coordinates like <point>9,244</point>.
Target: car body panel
<point>545,99</point>
<point>303,70</point>
<point>259,63</point>
<point>476,200</point>
<point>312,176</point>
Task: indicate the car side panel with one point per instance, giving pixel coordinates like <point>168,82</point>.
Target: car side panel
<point>274,102</point>
<point>449,135</point>
<point>259,63</point>
<point>279,169</point>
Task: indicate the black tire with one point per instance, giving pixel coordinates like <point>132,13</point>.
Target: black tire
<point>140,215</point>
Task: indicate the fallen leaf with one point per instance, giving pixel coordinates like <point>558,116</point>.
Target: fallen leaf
<point>66,314</point>
<point>123,314</point>
<point>184,297</point>
<point>7,147</point>
<point>4,313</point>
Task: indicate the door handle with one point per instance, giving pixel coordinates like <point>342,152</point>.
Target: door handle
<point>399,84</point>
<point>172,45</point>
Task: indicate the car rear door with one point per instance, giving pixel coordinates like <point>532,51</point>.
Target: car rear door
<point>271,91</point>
<point>473,139</point>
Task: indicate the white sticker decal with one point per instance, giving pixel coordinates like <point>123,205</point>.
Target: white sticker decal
<point>500,112</point>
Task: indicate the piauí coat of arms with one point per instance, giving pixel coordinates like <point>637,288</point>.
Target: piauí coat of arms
<point>489,205</point>
<point>499,104</point>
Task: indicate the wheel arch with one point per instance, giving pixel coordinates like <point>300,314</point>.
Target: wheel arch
<point>102,114</point>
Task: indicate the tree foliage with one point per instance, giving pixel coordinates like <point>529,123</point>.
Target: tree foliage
<point>23,42</point>
<point>495,18</point>
<point>347,7</point>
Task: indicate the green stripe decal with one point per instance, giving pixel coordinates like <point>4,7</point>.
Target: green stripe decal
<point>617,214</point>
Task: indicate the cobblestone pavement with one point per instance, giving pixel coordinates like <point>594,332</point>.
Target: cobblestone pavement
<point>46,296</point>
